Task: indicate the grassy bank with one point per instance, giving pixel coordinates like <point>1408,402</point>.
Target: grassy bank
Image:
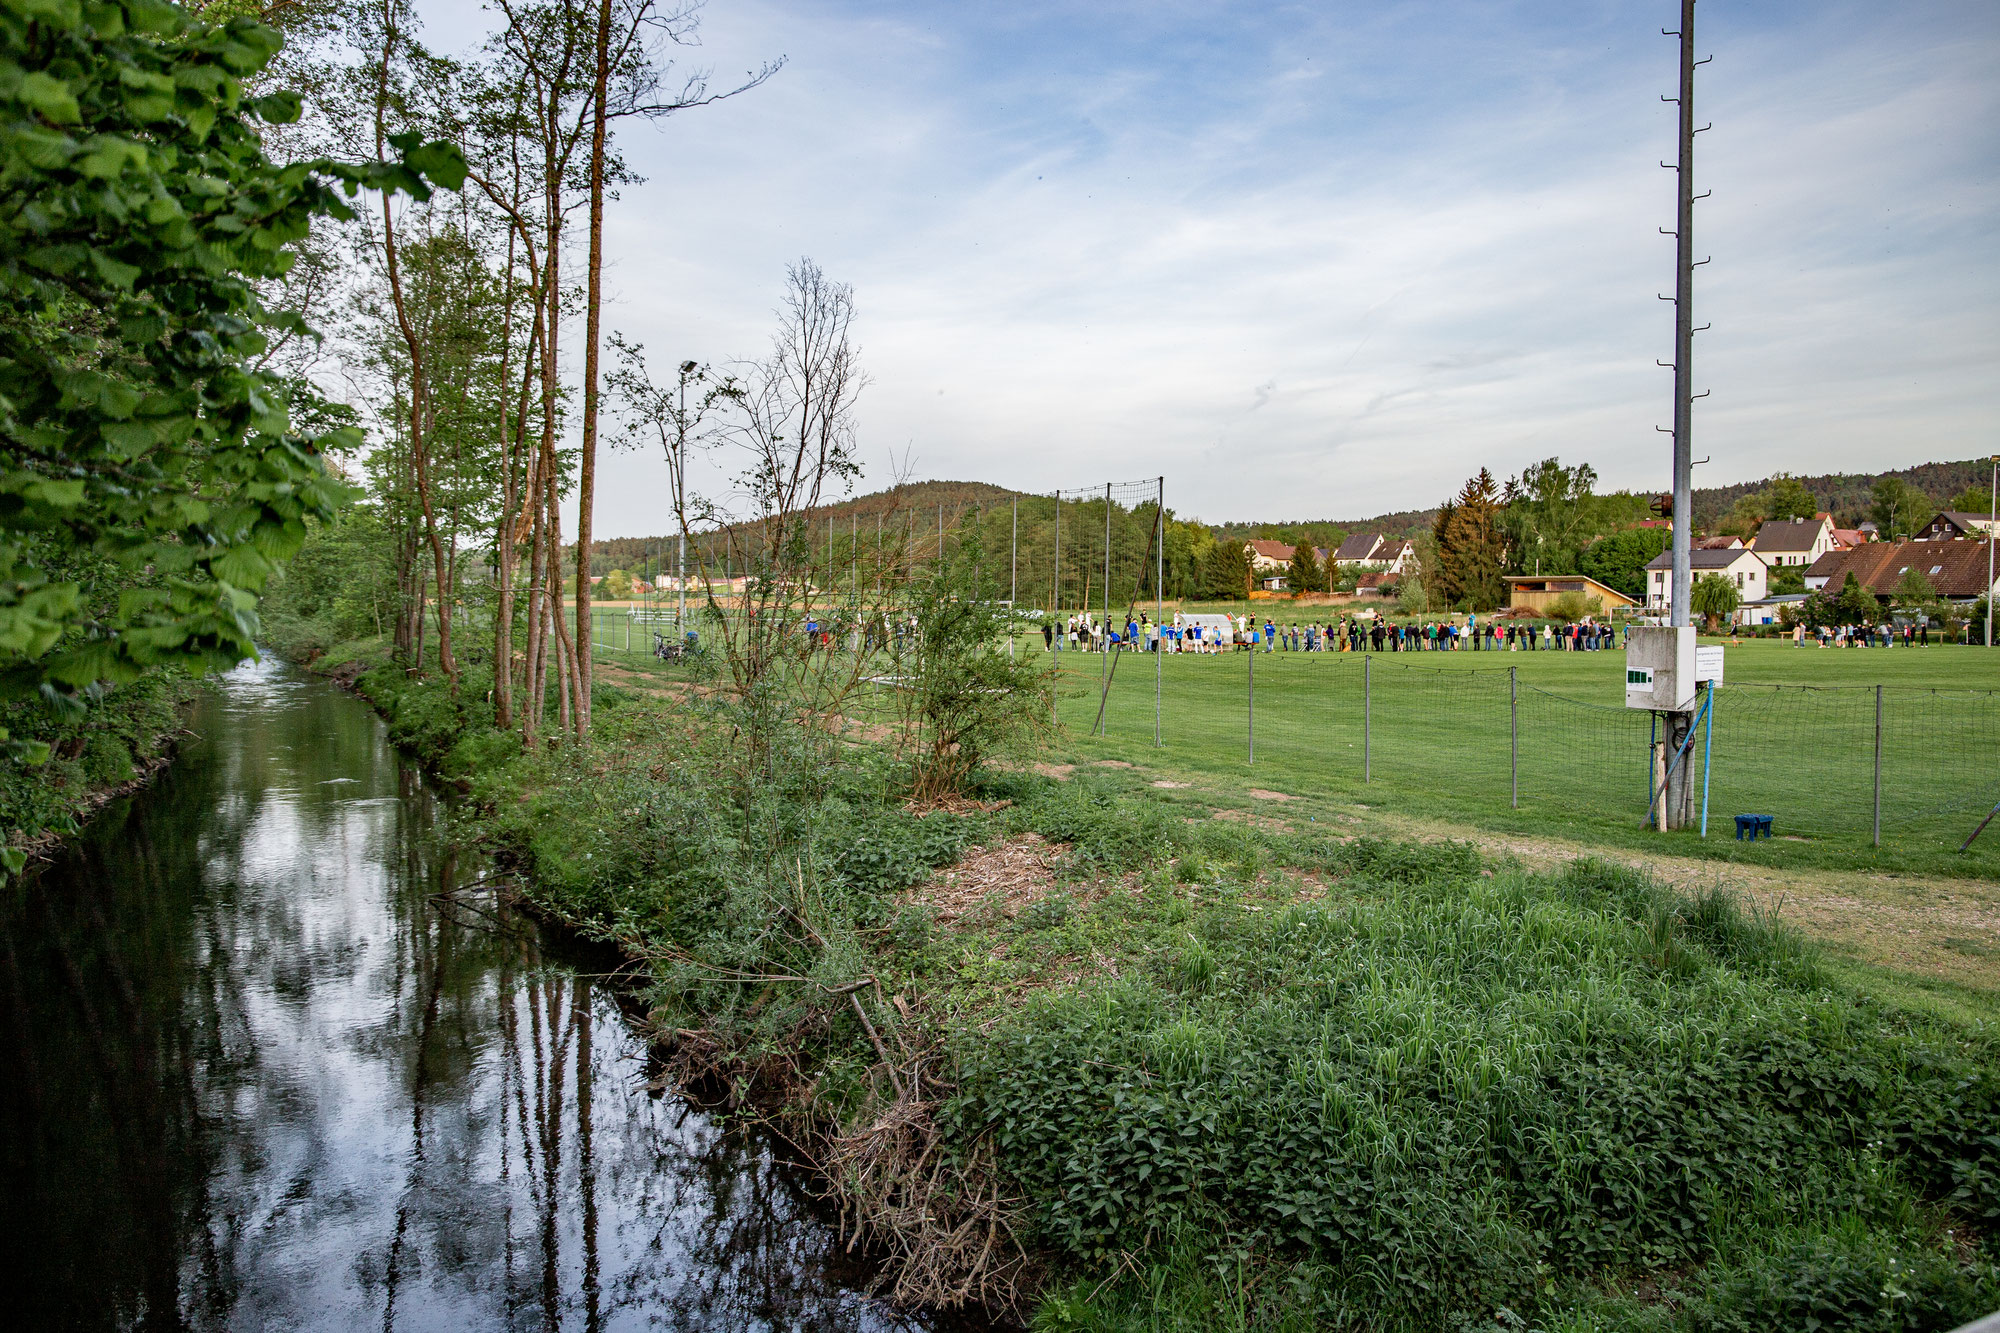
<point>96,753</point>
<point>1153,1064</point>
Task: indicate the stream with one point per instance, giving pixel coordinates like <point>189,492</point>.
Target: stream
<point>253,1075</point>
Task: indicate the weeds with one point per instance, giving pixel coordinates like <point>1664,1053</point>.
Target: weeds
<point>1178,1092</point>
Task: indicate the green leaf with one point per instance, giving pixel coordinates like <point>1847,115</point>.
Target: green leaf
<point>50,96</point>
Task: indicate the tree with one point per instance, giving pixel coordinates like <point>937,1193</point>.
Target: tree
<point>1972,500</point>
<point>1916,595</point>
<point>1787,498</point>
<point>793,434</point>
<point>1786,579</point>
<point>139,212</point>
<point>1441,570</point>
<point>1898,508</point>
<point>1471,545</point>
<point>1548,514</point>
<point>966,696</point>
<point>1619,561</point>
<point>1225,572</point>
<point>1304,574</point>
<point>1856,605</point>
<point>1714,597</point>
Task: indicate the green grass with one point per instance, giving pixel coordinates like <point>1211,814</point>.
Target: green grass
<point>1439,743</point>
<point>1255,1081</point>
<point>1244,1078</point>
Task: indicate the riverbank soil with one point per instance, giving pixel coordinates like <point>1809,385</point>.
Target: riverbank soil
<point>1138,1047</point>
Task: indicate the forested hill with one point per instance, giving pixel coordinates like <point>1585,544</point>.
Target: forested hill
<point>917,497</point>
<point>1844,494</point>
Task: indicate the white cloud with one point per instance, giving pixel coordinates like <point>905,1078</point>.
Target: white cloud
<point>1329,264</point>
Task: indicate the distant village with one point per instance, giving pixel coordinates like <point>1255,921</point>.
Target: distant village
<point>1950,553</point>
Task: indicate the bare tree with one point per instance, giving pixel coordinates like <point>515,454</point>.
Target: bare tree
<point>795,434</point>
<point>679,418</point>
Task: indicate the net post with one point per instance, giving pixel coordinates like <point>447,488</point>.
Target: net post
<point>1159,604</point>
<point>1014,580</point>
<point>1878,766</point>
<point>1367,718</point>
<point>1250,715</point>
<point>1514,734</point>
<point>1104,635</point>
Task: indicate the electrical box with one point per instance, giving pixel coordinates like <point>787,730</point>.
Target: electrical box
<point>1659,668</point>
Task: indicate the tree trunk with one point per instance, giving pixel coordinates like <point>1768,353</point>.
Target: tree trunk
<point>586,487</point>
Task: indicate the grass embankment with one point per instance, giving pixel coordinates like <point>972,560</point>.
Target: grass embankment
<point>1214,1072</point>
<point>96,753</point>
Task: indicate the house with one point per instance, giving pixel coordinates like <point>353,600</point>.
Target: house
<point>1767,610</point>
<point>1376,583</point>
<point>1957,569</point>
<point>1953,525</point>
<point>1267,556</point>
<point>1535,592</point>
<point>1358,551</point>
<point>1716,543</point>
<point>1371,550</point>
<point>1846,539</point>
<point>1742,564</point>
<point>1794,541</point>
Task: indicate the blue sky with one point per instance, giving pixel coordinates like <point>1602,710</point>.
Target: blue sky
<point>1327,260</point>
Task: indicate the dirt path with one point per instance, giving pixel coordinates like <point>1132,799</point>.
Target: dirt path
<point>1922,925</point>
<point>1945,928</point>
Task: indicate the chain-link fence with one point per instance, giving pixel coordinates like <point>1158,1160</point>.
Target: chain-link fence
<point>1848,764</point>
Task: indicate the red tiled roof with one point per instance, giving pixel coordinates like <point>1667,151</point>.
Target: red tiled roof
<point>1955,569</point>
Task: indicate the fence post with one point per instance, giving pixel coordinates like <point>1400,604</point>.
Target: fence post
<point>1514,733</point>
<point>1367,710</point>
<point>1252,714</point>
<point>1878,765</point>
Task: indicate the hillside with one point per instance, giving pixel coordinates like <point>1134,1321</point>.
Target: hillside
<point>921,497</point>
<point>1844,494</point>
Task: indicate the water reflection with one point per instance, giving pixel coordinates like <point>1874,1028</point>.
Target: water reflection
<point>252,1076</point>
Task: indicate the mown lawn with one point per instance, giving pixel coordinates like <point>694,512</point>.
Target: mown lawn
<point>1450,735</point>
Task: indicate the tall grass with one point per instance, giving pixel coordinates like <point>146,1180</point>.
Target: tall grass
<point>1448,1099</point>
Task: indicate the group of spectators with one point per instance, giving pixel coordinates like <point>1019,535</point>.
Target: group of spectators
<point>1085,633</point>
<point>1864,636</point>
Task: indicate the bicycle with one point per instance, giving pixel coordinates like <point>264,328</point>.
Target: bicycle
<point>674,652</point>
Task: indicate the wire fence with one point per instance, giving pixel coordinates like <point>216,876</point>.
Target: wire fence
<point>1854,764</point>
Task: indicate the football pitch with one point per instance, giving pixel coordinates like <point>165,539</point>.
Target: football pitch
<point>1542,740</point>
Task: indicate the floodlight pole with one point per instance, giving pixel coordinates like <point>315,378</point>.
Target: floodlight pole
<point>1684,266</point>
<point>1676,800</point>
<point>1992,536</point>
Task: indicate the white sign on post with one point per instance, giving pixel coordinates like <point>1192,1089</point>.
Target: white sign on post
<point>1708,664</point>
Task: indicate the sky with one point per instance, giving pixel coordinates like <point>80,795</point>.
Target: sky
<point>1327,260</point>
